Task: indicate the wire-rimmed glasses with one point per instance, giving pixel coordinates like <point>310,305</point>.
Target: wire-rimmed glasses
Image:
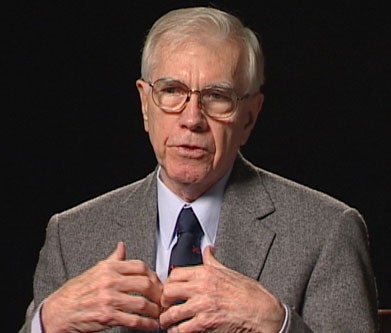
<point>172,96</point>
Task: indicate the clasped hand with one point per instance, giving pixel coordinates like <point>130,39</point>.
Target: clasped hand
<point>118,292</point>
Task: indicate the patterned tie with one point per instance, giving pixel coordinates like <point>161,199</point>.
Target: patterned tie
<point>187,250</point>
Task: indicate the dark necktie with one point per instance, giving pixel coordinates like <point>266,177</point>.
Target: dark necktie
<point>187,250</point>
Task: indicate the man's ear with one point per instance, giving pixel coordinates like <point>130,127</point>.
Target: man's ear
<point>142,88</point>
<point>253,107</point>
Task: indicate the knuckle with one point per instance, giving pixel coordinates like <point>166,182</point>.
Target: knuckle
<point>140,266</point>
<point>106,315</point>
<point>134,322</point>
<point>108,282</point>
<point>141,303</point>
<point>147,284</point>
<point>105,298</point>
<point>204,274</point>
<point>177,314</point>
<point>167,291</point>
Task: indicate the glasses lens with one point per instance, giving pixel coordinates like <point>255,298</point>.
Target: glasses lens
<point>169,95</point>
<point>218,102</point>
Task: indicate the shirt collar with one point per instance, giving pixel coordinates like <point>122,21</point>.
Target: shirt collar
<point>207,209</point>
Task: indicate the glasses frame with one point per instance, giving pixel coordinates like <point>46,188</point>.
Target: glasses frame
<point>190,91</point>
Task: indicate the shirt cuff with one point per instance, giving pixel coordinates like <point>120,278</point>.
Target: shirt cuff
<point>36,325</point>
<point>282,330</point>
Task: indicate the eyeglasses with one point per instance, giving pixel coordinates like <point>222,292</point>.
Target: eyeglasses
<point>172,96</point>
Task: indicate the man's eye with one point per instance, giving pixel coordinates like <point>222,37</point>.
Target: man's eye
<point>173,90</point>
<point>216,95</point>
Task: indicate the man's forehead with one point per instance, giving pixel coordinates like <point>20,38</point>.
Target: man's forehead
<point>192,54</point>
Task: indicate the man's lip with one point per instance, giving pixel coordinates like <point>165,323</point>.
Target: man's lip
<point>190,151</point>
<point>188,146</point>
<point>191,147</point>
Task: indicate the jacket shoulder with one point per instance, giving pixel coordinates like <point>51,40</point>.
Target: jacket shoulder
<point>293,193</point>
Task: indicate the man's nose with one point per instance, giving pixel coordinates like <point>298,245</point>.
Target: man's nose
<point>192,115</point>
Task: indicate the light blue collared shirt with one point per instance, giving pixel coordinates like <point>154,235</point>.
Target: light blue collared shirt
<point>207,209</point>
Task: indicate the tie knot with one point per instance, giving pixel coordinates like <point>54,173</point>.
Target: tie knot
<point>188,222</point>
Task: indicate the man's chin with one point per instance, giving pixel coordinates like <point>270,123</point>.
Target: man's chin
<point>192,172</point>
<point>188,178</point>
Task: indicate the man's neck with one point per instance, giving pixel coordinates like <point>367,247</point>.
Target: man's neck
<point>187,192</point>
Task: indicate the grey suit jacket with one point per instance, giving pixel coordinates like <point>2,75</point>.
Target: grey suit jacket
<point>307,248</point>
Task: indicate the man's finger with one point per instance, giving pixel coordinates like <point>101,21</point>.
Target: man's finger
<point>119,252</point>
<point>209,259</point>
<point>183,274</point>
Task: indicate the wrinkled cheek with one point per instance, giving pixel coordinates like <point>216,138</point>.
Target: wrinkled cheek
<point>226,149</point>
<point>158,144</point>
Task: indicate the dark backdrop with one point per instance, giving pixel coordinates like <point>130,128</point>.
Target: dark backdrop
<point>72,127</point>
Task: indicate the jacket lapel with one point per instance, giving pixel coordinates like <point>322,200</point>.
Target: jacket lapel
<point>137,217</point>
<point>243,241</point>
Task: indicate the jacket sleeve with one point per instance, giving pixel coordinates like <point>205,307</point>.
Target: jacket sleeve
<point>341,293</point>
<point>50,272</point>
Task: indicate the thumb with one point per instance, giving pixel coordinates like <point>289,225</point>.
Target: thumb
<point>119,252</point>
<point>209,259</point>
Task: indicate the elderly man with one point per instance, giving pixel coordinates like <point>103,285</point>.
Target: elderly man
<point>261,253</point>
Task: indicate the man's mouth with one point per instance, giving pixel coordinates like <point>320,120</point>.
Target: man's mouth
<point>191,151</point>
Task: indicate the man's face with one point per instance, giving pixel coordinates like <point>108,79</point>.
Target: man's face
<point>194,150</point>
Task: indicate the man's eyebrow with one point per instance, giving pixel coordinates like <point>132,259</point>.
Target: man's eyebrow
<point>169,78</point>
<point>219,85</point>
<point>214,85</point>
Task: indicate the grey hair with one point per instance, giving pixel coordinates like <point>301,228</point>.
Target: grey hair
<point>181,24</point>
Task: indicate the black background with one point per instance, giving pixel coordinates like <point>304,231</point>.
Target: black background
<point>72,126</point>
